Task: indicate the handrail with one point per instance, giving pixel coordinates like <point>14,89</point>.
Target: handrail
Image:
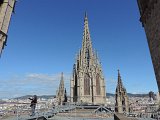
<point>20,110</point>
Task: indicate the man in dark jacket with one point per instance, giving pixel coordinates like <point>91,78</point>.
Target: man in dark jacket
<point>33,104</point>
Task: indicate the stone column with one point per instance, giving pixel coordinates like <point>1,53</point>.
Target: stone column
<point>71,90</point>
<point>119,105</point>
<point>6,9</point>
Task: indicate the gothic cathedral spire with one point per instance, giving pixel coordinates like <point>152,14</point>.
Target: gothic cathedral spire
<point>61,91</point>
<point>87,84</point>
<point>121,97</point>
<point>119,84</point>
<point>87,45</point>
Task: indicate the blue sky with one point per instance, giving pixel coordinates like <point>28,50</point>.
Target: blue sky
<point>44,37</point>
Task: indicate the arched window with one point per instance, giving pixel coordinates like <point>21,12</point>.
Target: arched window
<point>86,84</point>
<point>98,89</point>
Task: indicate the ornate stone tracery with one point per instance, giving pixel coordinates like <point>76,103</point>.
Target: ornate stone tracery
<point>98,89</point>
<point>87,83</point>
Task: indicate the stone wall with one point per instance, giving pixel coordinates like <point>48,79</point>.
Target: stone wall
<point>150,18</point>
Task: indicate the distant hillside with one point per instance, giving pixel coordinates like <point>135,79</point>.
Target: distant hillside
<point>129,95</point>
<point>137,95</point>
<point>107,94</point>
<point>42,96</point>
<point>110,94</point>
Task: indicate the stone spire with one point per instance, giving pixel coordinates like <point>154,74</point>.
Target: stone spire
<point>121,97</point>
<point>87,83</point>
<point>87,52</point>
<point>119,84</point>
<point>61,92</point>
<point>86,34</point>
<point>61,86</point>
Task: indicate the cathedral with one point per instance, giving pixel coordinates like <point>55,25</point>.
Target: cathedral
<point>121,97</point>
<point>87,83</point>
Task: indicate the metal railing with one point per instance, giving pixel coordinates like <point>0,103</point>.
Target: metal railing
<point>20,111</point>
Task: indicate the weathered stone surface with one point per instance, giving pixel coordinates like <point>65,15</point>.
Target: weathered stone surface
<point>61,92</point>
<point>150,18</point>
<point>121,97</point>
<point>6,9</point>
<point>87,84</point>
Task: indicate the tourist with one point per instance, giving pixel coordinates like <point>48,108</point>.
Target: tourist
<point>33,104</point>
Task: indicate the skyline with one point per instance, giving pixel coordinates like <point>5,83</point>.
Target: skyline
<point>43,43</point>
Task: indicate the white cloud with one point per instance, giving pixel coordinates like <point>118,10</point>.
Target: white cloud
<point>32,83</point>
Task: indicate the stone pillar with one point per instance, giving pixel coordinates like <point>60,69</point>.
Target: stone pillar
<point>71,90</point>
<point>104,91</point>
<point>6,9</point>
<point>119,105</point>
<point>150,18</point>
<point>78,89</point>
<point>127,104</point>
<point>93,86</point>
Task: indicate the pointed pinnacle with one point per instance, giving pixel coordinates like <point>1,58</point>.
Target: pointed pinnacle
<point>85,15</point>
<point>62,76</point>
<point>119,75</point>
<point>118,72</point>
<point>119,79</point>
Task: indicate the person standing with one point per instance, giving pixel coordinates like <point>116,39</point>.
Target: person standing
<point>33,104</point>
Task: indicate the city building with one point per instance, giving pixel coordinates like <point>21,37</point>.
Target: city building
<point>87,83</point>
<point>6,9</point>
<point>150,18</point>
<point>61,92</point>
<point>121,97</point>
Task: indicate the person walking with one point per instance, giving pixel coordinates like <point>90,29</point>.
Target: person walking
<point>33,104</point>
